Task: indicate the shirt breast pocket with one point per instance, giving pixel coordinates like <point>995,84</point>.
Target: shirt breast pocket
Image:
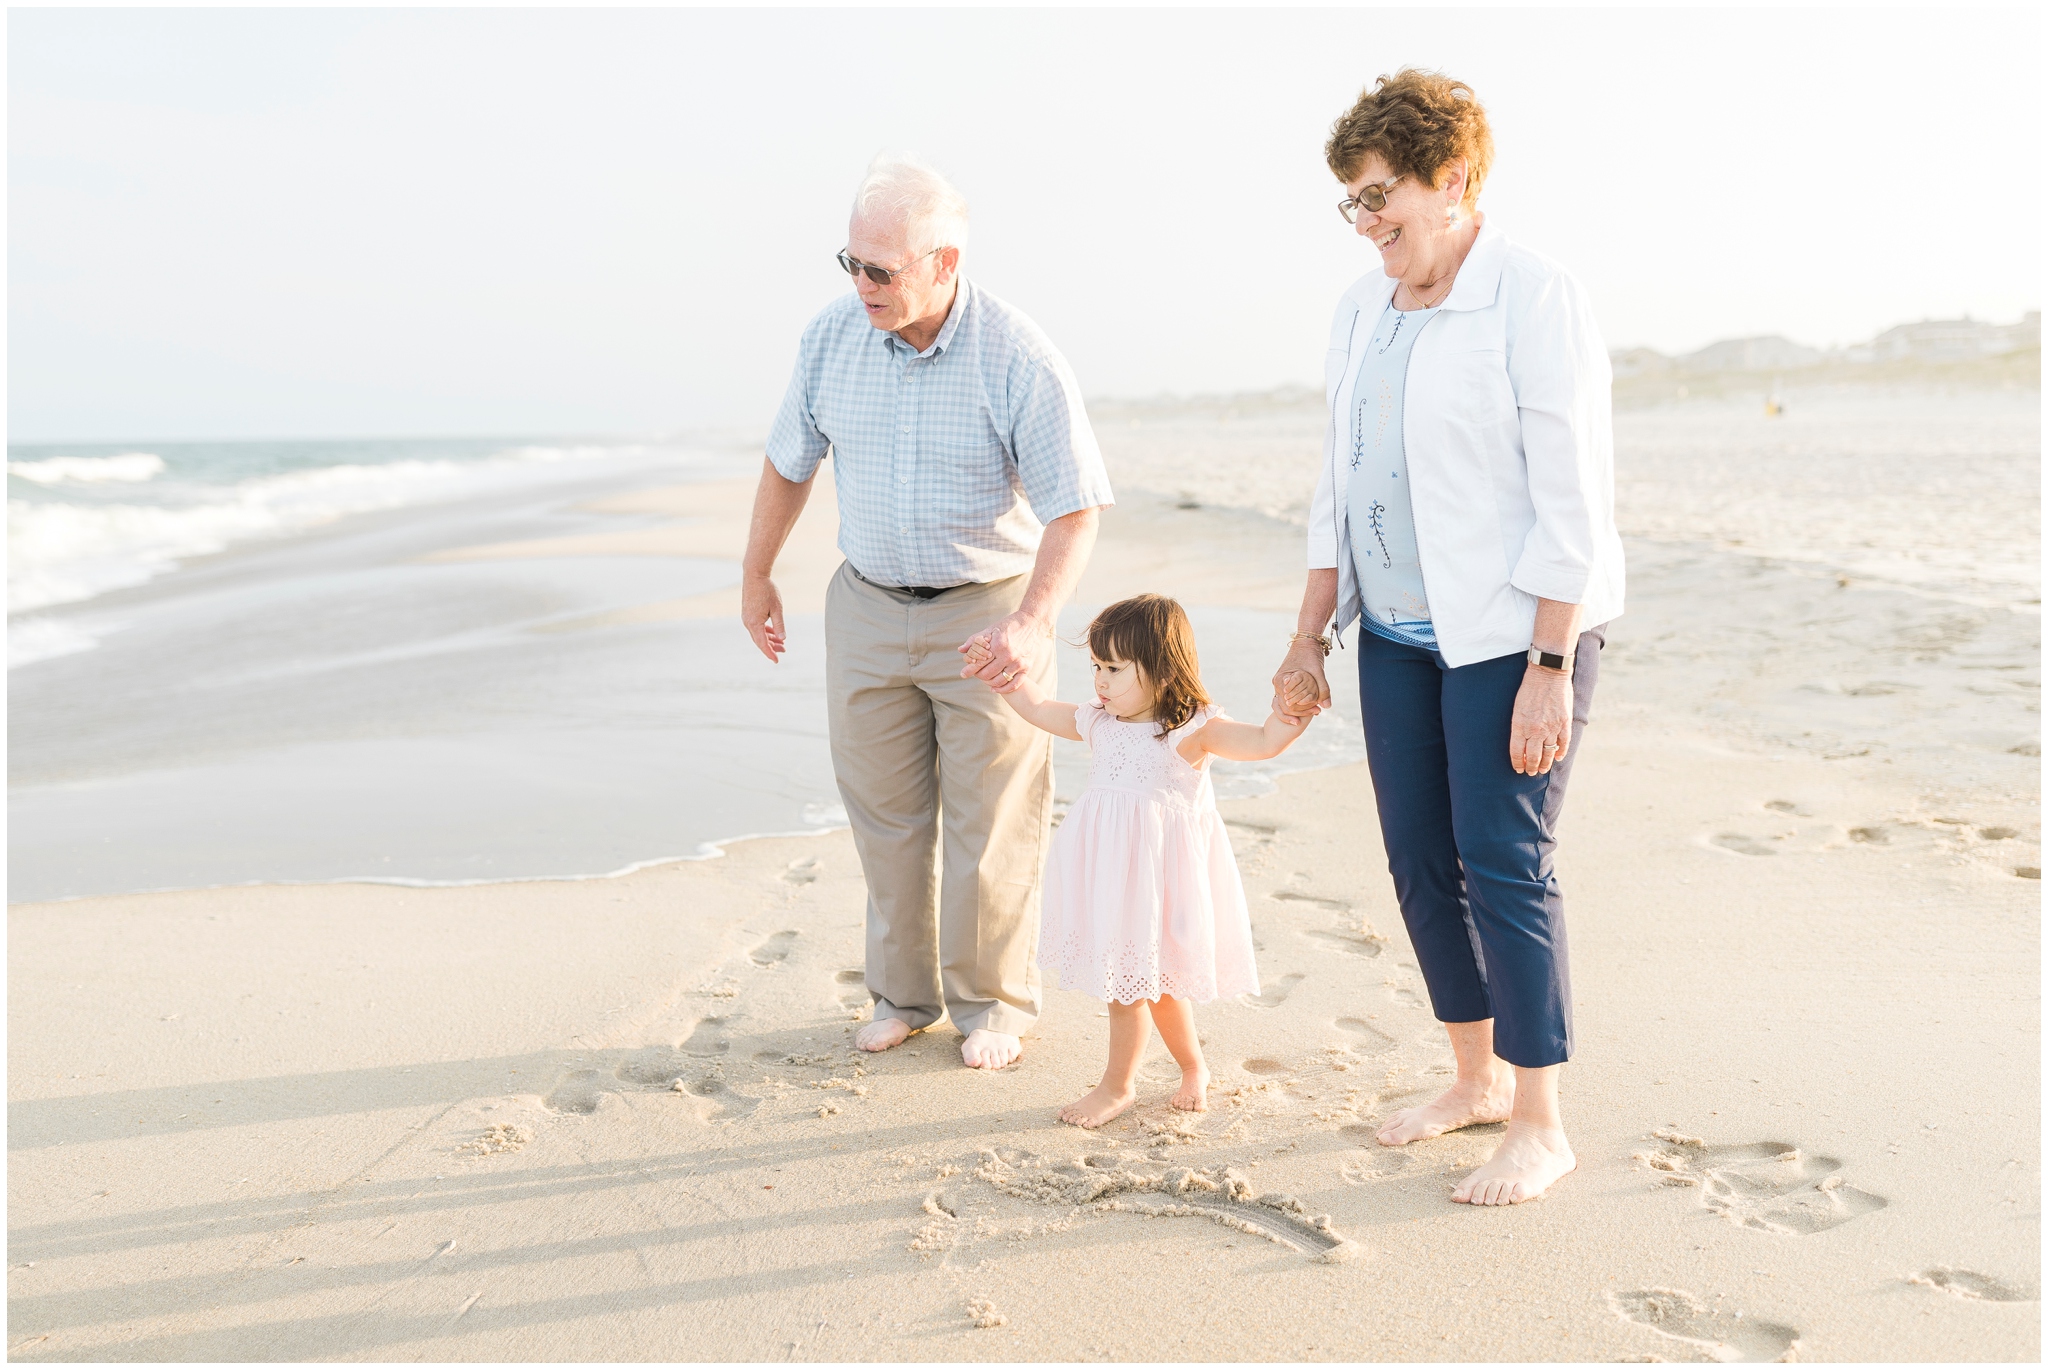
<point>985,459</point>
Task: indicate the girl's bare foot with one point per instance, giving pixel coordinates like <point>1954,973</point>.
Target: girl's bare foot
<point>1194,1090</point>
<point>1097,1106</point>
<point>1528,1161</point>
<point>1462,1105</point>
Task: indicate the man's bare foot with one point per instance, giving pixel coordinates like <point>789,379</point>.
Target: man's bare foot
<point>1528,1161</point>
<point>1462,1105</point>
<point>985,1050</point>
<point>881,1034</point>
<point>1194,1090</point>
<point>1097,1106</point>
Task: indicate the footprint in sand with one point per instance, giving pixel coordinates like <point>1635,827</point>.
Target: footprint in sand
<point>1372,1041</point>
<point>707,1039</point>
<point>580,1091</point>
<point>1742,844</point>
<point>802,872</point>
<point>1297,897</point>
<point>1378,1163</point>
<point>1968,1284</point>
<point>654,1067</point>
<point>1261,1065</point>
<point>726,1106</point>
<point>1731,1335</point>
<point>1787,806</point>
<point>1274,997</point>
<point>1350,943</point>
<point>1998,834</point>
<point>1405,997</point>
<point>1765,1186</point>
<point>857,996</point>
<point>1873,835</point>
<point>773,951</point>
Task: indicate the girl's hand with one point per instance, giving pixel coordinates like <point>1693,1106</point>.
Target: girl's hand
<point>1299,687</point>
<point>976,650</point>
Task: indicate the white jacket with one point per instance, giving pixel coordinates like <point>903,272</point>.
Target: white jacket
<point>1510,441</point>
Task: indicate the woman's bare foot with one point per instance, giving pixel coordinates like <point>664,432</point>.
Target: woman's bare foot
<point>985,1050</point>
<point>1097,1106</point>
<point>1462,1105</point>
<point>1194,1090</point>
<point>1528,1161</point>
<point>881,1034</point>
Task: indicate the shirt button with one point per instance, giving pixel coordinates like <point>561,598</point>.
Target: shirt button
<point>906,428</point>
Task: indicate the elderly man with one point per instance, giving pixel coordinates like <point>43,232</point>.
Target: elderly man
<point>968,484</point>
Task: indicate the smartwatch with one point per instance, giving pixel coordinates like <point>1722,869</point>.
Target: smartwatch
<point>1550,661</point>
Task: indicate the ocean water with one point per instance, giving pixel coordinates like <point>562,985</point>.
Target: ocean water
<point>237,663</point>
<point>85,519</point>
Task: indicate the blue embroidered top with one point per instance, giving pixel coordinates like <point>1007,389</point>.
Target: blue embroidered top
<point>1395,602</point>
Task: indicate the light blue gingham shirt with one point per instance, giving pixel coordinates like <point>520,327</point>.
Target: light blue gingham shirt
<point>949,462</point>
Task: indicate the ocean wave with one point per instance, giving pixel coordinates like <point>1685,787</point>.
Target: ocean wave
<point>63,552</point>
<point>39,639</point>
<point>129,468</point>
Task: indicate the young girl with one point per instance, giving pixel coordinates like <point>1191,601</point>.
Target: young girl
<point>1143,906</point>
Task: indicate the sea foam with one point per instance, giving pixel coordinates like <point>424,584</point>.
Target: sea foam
<point>62,552</point>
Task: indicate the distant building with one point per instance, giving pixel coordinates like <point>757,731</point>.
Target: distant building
<point>1947,340</point>
<point>1931,340</point>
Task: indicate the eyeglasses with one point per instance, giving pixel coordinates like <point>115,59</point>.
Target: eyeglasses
<point>879,275</point>
<point>1372,197</point>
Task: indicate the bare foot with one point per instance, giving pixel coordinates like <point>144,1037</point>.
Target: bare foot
<point>1528,1161</point>
<point>881,1034</point>
<point>1194,1090</point>
<point>1462,1105</point>
<point>1097,1106</point>
<point>985,1050</point>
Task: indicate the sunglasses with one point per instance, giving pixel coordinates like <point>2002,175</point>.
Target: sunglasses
<point>880,276</point>
<point>1372,197</point>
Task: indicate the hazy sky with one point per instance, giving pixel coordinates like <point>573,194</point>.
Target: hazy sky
<point>339,223</point>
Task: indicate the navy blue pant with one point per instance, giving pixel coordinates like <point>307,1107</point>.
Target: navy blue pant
<point>1471,844</point>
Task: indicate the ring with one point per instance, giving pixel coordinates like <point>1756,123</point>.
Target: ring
<point>1550,746</point>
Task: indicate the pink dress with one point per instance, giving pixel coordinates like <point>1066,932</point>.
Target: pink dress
<point>1142,896</point>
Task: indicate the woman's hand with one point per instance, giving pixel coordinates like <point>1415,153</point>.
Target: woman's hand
<point>1541,732</point>
<point>1300,689</point>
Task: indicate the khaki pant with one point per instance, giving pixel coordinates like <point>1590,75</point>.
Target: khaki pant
<point>919,751</point>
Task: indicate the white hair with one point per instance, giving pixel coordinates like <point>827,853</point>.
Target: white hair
<point>898,188</point>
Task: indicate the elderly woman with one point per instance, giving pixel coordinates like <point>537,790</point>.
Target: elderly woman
<point>1464,517</point>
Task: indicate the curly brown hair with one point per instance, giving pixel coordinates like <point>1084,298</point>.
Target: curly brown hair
<point>1420,122</point>
<point>1153,633</point>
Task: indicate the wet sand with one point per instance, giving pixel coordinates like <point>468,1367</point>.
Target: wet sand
<point>621,1119</point>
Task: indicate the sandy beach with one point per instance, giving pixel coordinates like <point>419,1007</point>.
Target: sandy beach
<point>621,1118</point>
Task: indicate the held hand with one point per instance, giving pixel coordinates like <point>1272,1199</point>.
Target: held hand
<point>1007,649</point>
<point>761,612</point>
<point>1541,732</point>
<point>1300,689</point>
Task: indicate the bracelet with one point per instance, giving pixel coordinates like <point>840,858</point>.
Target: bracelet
<point>1319,639</point>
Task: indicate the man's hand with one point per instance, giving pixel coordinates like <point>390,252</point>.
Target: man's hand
<point>1006,650</point>
<point>761,611</point>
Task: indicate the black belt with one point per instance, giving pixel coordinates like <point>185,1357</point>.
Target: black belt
<point>918,591</point>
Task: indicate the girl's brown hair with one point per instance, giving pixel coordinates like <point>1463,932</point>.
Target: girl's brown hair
<point>1152,632</point>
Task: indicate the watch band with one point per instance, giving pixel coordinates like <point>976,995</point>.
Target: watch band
<point>1550,661</point>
